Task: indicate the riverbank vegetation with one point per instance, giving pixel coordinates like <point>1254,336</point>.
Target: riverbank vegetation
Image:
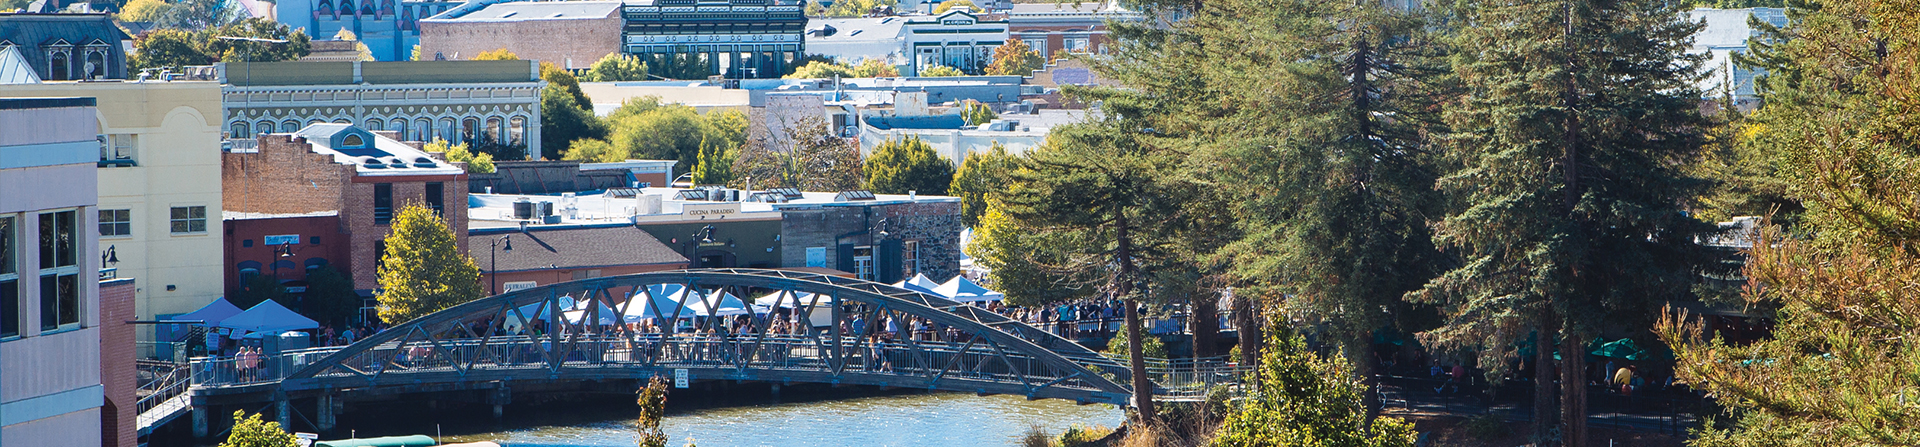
<point>1353,169</point>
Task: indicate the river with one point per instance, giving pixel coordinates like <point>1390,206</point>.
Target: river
<point>938,419</point>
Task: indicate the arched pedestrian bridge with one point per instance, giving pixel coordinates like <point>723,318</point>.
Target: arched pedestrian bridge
<point>816,329</point>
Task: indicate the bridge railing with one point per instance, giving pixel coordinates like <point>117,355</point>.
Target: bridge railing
<point>926,360</point>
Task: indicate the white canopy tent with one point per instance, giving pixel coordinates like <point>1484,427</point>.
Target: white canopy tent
<point>919,283</point>
<point>822,312</point>
<point>269,317</point>
<point>964,290</point>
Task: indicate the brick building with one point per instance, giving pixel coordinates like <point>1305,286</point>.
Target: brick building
<point>571,34</point>
<point>119,402</point>
<point>285,246</point>
<point>1053,28</point>
<point>360,176</point>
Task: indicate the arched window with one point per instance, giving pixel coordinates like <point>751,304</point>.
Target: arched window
<point>96,66</point>
<point>289,126</point>
<point>373,124</point>
<point>314,263</point>
<point>423,130</point>
<point>264,126</point>
<point>494,124</point>
<point>240,131</point>
<point>449,131</point>
<point>353,141</point>
<point>248,270</point>
<point>469,130</point>
<point>346,8</point>
<point>517,132</point>
<point>343,121</point>
<point>399,127</point>
<point>58,67</point>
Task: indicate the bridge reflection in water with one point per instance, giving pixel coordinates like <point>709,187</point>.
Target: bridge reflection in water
<point>815,329</point>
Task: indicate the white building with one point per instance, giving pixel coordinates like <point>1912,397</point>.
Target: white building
<point>957,39</point>
<point>1726,34</point>
<point>50,387</point>
<point>158,218</point>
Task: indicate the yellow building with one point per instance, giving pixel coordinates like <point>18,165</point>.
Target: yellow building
<point>159,179</point>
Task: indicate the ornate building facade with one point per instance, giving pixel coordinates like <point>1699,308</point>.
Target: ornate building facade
<point>735,38</point>
<point>488,104</point>
<point>390,28</point>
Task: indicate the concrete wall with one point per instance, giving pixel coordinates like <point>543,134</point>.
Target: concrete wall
<point>176,163</point>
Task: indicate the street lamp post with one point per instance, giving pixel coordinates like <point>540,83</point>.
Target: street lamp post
<point>493,271</point>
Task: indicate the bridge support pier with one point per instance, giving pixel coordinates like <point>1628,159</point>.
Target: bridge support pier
<point>200,427</point>
<point>282,412</point>
<point>500,398</point>
<point>775,390</point>
<point>325,413</point>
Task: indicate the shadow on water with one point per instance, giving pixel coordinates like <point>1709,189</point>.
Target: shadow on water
<point>743,415</point>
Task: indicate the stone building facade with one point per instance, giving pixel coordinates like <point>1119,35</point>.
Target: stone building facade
<point>390,28</point>
<point>886,240</point>
<point>478,102</point>
<point>735,38</point>
<point>363,177</point>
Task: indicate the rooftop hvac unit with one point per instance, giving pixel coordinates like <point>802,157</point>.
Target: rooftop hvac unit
<point>523,209</point>
<point>546,209</point>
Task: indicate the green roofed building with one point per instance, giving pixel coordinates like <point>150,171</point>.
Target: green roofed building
<point>489,104</point>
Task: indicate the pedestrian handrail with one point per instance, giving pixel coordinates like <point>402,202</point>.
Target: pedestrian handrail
<point>162,398</point>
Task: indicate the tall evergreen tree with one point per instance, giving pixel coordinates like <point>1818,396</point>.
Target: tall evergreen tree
<point>1330,156</point>
<point>1567,181</point>
<point>1106,187</point>
<point>1841,366</point>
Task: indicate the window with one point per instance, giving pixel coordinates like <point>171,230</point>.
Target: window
<point>58,67</point>
<point>399,127</point>
<point>491,134</point>
<point>584,274</point>
<point>436,196</point>
<point>353,141</point>
<point>59,270</point>
<point>517,131</point>
<point>469,131</point>
<point>117,148</point>
<point>188,219</point>
<point>863,262</point>
<point>314,240</point>
<point>9,281</point>
<point>289,126</point>
<point>239,130</point>
<point>116,223</point>
<point>382,203</point>
<point>375,124</point>
<point>263,127</point>
<point>911,251</point>
<point>246,243</point>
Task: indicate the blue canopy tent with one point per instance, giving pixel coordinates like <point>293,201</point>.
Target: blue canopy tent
<point>964,290</point>
<point>269,317</point>
<point>212,313</point>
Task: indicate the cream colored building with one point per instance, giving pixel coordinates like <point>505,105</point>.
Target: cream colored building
<point>159,190</point>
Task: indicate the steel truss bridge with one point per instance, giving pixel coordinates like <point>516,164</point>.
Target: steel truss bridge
<point>494,346</point>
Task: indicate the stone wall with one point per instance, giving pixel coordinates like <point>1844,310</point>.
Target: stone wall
<point>934,225</point>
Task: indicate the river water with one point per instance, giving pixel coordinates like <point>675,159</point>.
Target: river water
<point>940,419</point>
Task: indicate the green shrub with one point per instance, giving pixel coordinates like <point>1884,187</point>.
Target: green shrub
<point>1486,427</point>
<point>1079,436</point>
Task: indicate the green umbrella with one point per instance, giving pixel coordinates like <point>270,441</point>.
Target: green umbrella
<point>1623,348</point>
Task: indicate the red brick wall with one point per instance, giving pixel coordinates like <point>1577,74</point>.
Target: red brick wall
<point>284,177</point>
<point>357,217</point>
<point>332,246</point>
<point>582,40</point>
<point>117,374</point>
